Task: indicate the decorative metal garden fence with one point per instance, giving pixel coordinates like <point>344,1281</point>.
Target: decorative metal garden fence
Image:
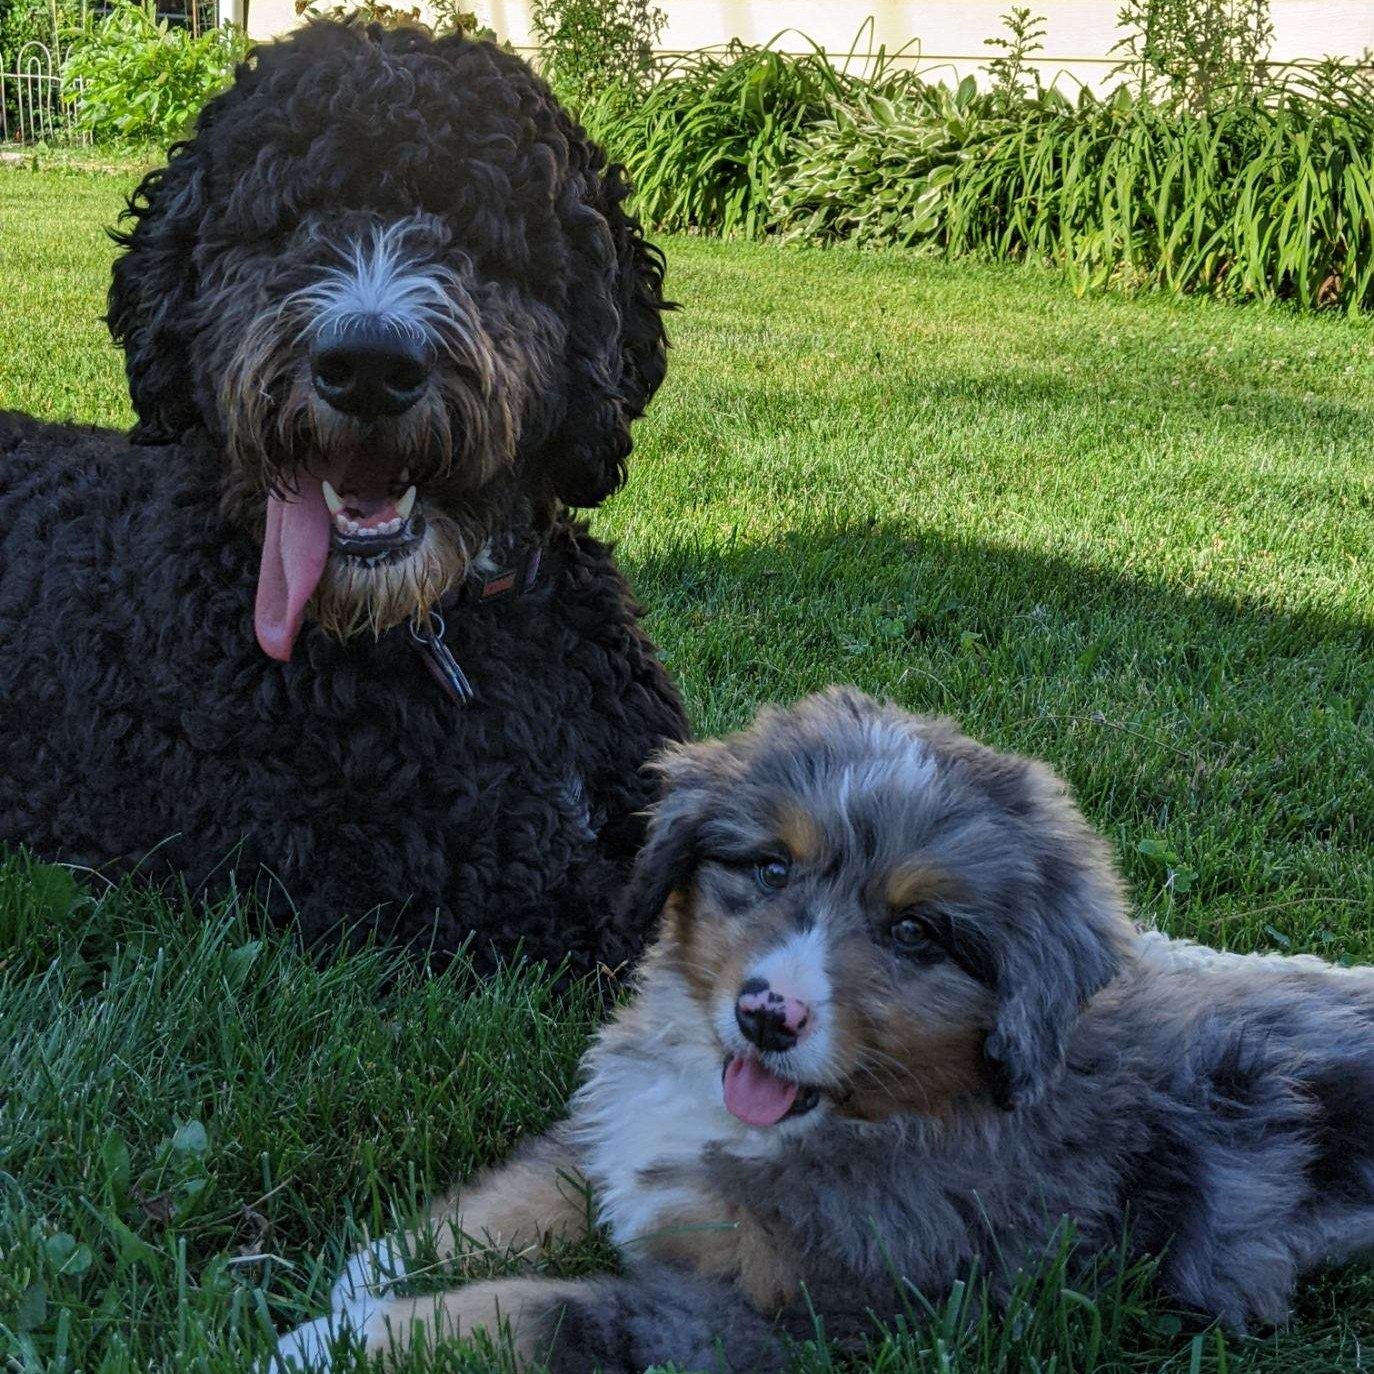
<point>34,107</point>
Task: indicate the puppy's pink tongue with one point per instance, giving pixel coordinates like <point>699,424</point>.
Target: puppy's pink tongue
<point>757,1097</point>
<point>294,552</point>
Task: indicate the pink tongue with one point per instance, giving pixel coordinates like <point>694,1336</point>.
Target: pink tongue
<point>294,551</point>
<point>756,1096</point>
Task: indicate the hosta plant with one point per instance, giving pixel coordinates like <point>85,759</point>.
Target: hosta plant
<point>876,170</point>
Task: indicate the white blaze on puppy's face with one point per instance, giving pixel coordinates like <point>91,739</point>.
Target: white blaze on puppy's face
<point>795,969</point>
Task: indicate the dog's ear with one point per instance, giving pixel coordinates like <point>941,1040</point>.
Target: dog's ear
<point>151,293</point>
<point>640,267</point>
<point>1068,938</point>
<point>616,352</point>
<point>693,775</point>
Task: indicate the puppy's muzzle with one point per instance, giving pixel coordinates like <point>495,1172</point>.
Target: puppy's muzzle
<point>768,1018</point>
<point>369,371</point>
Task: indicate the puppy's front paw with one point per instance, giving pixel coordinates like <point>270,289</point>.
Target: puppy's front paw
<point>369,1275</point>
<point>308,1347</point>
<point>358,1293</point>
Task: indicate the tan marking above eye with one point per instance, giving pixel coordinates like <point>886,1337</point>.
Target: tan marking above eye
<point>800,831</point>
<point>911,885</point>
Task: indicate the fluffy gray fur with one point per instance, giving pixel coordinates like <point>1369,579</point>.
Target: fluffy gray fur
<point>1223,1104</point>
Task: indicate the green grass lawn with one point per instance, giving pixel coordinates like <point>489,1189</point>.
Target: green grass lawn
<point>1132,536</point>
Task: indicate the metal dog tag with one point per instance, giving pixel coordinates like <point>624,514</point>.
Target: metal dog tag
<point>442,665</point>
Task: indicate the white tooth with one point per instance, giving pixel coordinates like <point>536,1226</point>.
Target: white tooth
<point>350,526</point>
<point>406,504</point>
<point>405,475</point>
<point>332,499</point>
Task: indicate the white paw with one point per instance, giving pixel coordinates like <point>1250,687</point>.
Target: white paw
<point>308,1347</point>
<point>358,1293</point>
<point>368,1276</point>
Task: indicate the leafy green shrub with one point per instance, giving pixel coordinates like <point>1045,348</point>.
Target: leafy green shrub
<point>705,147</point>
<point>589,47</point>
<point>1234,188</point>
<point>141,78</point>
<point>1194,52</point>
<point>22,21</point>
<point>1270,196</point>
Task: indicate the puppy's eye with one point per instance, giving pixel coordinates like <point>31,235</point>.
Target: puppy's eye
<point>911,936</point>
<point>773,874</point>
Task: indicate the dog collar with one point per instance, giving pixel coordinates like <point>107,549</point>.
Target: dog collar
<point>519,578</point>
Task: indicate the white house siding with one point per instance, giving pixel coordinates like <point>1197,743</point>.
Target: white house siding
<point>943,35</point>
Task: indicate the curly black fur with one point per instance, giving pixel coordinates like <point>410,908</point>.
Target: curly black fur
<point>141,728</point>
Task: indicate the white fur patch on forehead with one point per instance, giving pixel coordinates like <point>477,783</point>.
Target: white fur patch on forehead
<point>895,758</point>
<point>380,280</point>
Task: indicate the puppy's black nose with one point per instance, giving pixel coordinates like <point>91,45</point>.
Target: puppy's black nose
<point>369,370</point>
<point>771,1020</point>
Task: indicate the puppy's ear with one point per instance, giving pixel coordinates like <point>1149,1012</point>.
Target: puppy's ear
<point>693,774</point>
<point>1068,942</point>
<point>616,352</point>
<point>153,287</point>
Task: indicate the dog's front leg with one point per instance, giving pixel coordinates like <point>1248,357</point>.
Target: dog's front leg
<point>518,1209</point>
<point>614,1325</point>
<point>519,1316</point>
<point>534,1199</point>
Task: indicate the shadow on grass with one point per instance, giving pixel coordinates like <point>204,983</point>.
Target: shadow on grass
<point>1265,416</point>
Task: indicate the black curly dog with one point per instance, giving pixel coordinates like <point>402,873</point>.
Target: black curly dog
<point>384,321</point>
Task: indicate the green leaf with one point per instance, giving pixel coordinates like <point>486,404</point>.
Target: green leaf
<point>31,1310</point>
<point>114,1159</point>
<point>69,1257</point>
<point>132,1248</point>
<point>190,1139</point>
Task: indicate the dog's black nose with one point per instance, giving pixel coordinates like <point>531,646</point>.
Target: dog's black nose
<point>769,1019</point>
<point>369,370</point>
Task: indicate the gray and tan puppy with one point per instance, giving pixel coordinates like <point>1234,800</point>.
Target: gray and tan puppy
<point>897,1021</point>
